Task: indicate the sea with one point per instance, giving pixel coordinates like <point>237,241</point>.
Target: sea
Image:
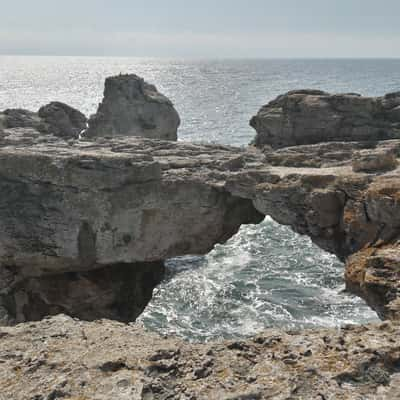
<point>266,275</point>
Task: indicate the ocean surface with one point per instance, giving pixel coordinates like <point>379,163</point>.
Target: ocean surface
<point>265,276</point>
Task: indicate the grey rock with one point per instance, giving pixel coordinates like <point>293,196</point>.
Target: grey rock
<point>308,117</point>
<point>55,118</point>
<point>62,120</point>
<point>71,208</point>
<point>20,118</point>
<point>83,206</point>
<point>132,107</point>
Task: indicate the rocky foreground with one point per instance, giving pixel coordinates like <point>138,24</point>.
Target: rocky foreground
<point>62,358</point>
<point>87,223</point>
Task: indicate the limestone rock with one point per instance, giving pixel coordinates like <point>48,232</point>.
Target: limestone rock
<point>374,160</point>
<point>20,118</point>
<point>373,274</point>
<point>132,107</point>
<point>55,118</point>
<point>309,116</point>
<point>66,358</point>
<point>83,206</point>
<point>62,120</point>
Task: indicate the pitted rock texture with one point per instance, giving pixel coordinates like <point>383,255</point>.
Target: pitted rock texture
<point>132,107</point>
<point>55,118</point>
<point>312,116</point>
<point>82,206</point>
<point>62,358</point>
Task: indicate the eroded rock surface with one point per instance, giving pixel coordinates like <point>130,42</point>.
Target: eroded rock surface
<point>79,206</point>
<point>70,359</point>
<point>55,118</point>
<point>312,116</point>
<point>62,120</point>
<point>119,292</point>
<point>82,206</point>
<point>132,107</point>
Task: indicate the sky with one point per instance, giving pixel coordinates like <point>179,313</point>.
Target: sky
<point>202,28</point>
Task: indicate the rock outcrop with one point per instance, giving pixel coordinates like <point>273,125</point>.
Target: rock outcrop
<point>55,118</point>
<point>62,358</point>
<point>132,107</point>
<point>312,116</point>
<point>86,225</point>
<point>82,206</point>
<point>62,120</point>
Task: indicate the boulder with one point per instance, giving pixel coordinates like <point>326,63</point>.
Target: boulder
<point>310,116</point>
<point>55,118</point>
<point>62,120</point>
<point>132,107</point>
<point>20,118</point>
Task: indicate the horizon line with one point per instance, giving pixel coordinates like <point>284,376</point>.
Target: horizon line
<point>255,58</point>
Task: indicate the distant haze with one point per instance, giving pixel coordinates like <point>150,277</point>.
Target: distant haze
<point>207,28</point>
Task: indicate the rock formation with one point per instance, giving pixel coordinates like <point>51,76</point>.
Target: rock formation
<point>312,116</point>
<point>132,107</point>
<point>86,225</point>
<point>62,358</point>
<point>77,207</point>
<point>55,118</point>
<point>62,120</point>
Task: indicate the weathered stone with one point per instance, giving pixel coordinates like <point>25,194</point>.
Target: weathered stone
<point>87,205</point>
<point>374,274</point>
<point>132,107</point>
<point>55,118</point>
<point>118,292</point>
<point>374,160</point>
<point>82,206</point>
<point>107,360</point>
<point>19,118</point>
<point>308,116</point>
<point>62,120</point>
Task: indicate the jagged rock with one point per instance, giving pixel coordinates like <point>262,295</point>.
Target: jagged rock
<point>132,107</point>
<point>374,160</point>
<point>62,120</point>
<point>309,116</point>
<point>20,118</point>
<point>373,274</point>
<point>81,206</point>
<point>55,118</point>
<point>87,205</point>
<point>65,358</point>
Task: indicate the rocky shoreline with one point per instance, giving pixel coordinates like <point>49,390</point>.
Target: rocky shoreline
<point>87,224</point>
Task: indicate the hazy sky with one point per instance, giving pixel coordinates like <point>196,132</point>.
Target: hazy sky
<point>202,28</point>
